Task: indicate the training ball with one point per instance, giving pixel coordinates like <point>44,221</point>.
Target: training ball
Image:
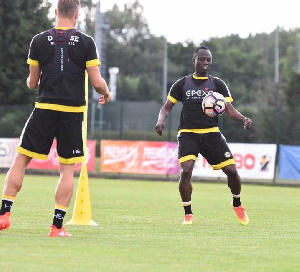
<point>213,104</point>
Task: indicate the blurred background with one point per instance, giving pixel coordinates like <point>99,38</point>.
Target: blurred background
<point>262,70</point>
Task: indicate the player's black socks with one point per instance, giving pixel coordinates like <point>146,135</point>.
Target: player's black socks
<point>236,202</point>
<point>6,205</point>
<point>187,207</point>
<point>58,217</point>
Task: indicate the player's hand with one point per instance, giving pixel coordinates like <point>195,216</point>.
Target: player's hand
<point>159,127</point>
<point>247,122</point>
<point>104,98</point>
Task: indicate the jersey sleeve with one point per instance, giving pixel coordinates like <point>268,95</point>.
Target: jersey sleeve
<point>32,58</point>
<point>92,54</point>
<point>176,91</point>
<point>223,89</point>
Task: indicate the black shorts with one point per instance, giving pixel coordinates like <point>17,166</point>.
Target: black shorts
<point>43,126</point>
<point>212,146</point>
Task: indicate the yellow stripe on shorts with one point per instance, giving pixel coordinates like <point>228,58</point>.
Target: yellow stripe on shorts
<point>223,164</point>
<point>187,158</point>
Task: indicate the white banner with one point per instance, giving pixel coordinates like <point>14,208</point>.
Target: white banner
<point>255,161</point>
<point>7,151</point>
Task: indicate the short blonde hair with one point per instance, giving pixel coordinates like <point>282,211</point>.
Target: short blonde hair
<point>67,8</point>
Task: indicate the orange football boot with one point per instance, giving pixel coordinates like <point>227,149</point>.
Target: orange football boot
<point>188,219</point>
<point>55,232</point>
<point>5,221</point>
<point>241,214</point>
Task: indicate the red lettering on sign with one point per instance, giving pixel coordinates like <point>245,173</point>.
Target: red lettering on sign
<point>247,161</point>
<point>238,160</point>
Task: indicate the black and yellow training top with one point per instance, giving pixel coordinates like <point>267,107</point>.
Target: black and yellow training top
<point>190,90</point>
<point>63,55</point>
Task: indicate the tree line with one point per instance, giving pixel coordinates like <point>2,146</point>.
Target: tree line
<point>245,64</point>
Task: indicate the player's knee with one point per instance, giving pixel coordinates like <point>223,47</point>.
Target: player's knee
<point>185,172</point>
<point>231,171</point>
<point>234,181</point>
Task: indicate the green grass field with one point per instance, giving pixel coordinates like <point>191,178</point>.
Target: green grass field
<point>140,229</point>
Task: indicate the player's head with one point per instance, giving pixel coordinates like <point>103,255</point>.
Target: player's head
<point>202,60</point>
<point>68,9</point>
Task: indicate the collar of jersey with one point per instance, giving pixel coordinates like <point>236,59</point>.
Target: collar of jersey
<point>196,77</point>
<point>62,28</point>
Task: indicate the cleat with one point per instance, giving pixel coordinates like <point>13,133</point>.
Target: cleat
<point>188,219</point>
<point>55,232</point>
<point>5,221</point>
<point>241,215</point>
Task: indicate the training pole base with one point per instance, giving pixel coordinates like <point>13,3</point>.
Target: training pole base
<point>82,222</point>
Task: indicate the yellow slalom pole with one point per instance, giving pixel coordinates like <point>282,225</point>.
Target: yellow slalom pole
<point>82,213</point>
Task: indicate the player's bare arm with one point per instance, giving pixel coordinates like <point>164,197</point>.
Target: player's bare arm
<point>34,77</point>
<point>99,84</point>
<point>234,114</point>
<point>162,116</point>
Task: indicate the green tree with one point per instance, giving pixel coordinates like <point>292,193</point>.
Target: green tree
<point>180,60</point>
<point>126,38</point>
<point>240,64</point>
<point>290,110</point>
<point>127,88</point>
<point>149,89</point>
<point>137,53</point>
<point>20,20</point>
<point>128,26</point>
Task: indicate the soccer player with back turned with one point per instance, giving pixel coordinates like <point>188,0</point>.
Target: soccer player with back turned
<point>58,59</point>
<point>199,133</point>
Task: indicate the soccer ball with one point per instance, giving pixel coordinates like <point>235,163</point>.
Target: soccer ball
<point>213,104</point>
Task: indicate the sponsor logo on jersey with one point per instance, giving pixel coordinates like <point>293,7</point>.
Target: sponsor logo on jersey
<point>50,39</point>
<point>196,94</point>
<point>73,40</point>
